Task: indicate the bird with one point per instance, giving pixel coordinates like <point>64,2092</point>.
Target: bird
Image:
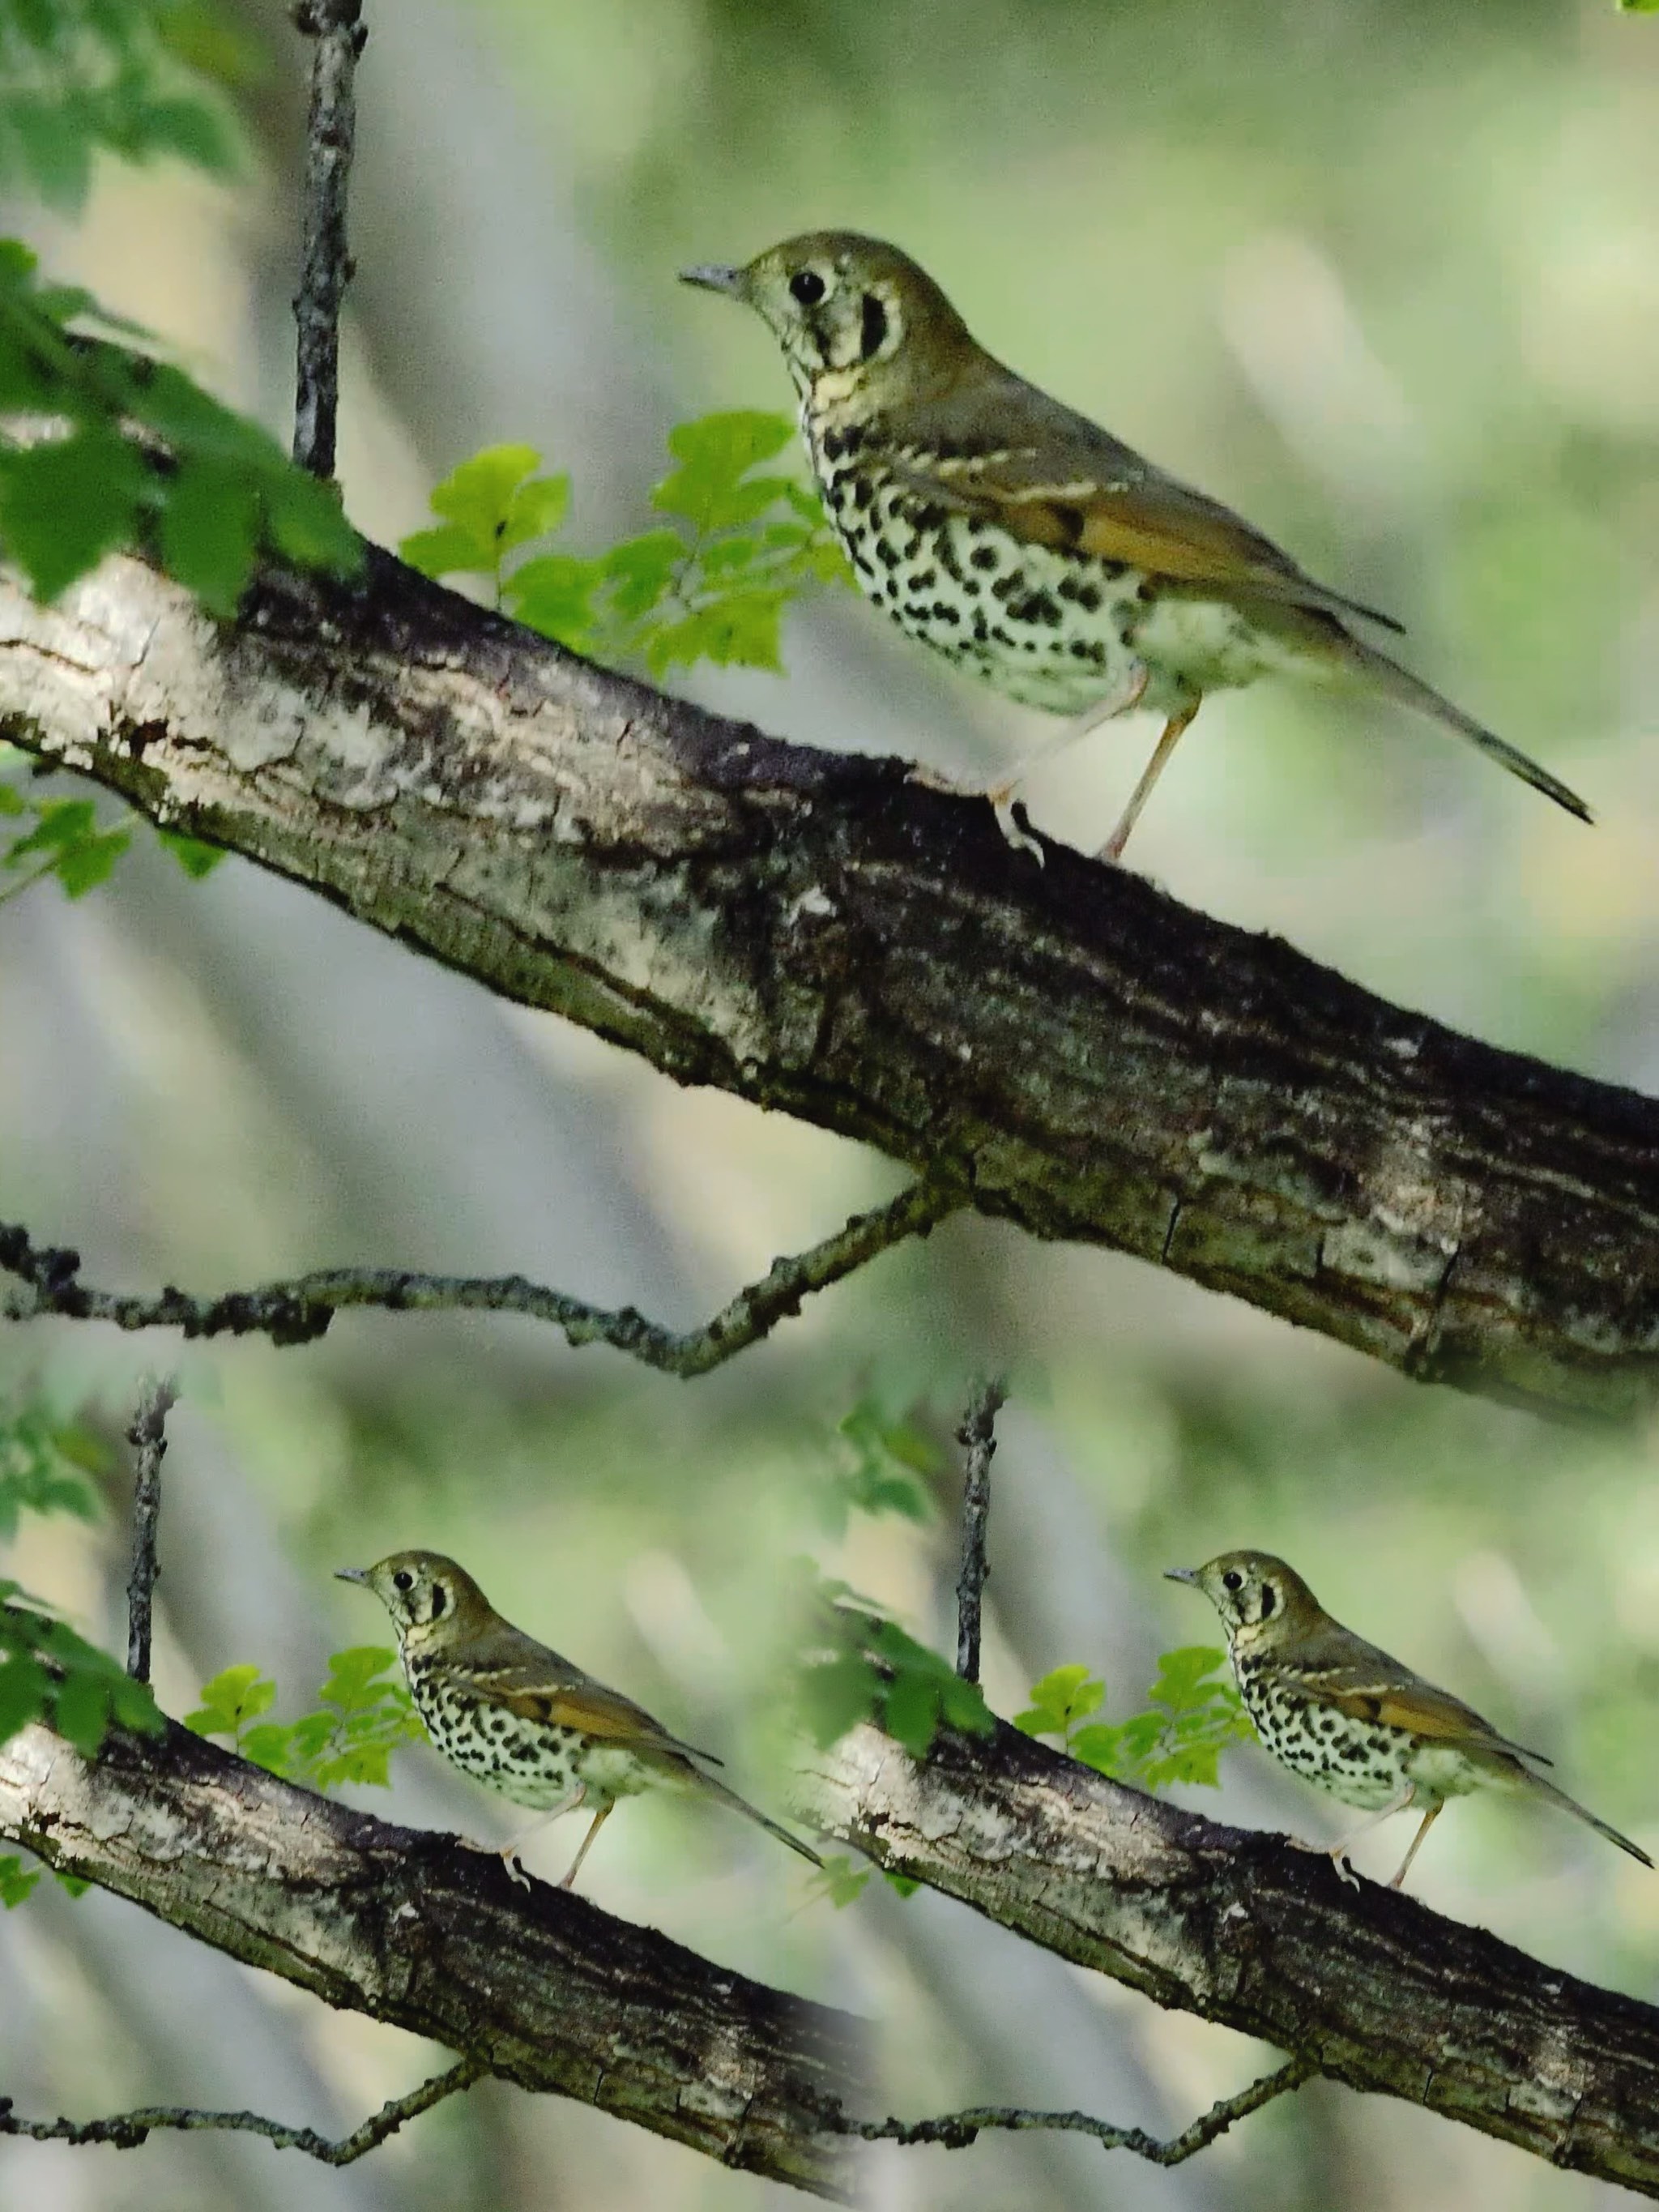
<point>523,1721</point>
<point>1352,1721</point>
<point>1030,547</point>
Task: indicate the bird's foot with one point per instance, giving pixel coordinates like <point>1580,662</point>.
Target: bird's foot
<point>1001,797</point>
<point>509,1858</point>
<point>1336,1853</point>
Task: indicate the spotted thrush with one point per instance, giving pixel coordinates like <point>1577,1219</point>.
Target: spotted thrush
<point>1351,1720</point>
<point>523,1721</point>
<point>1027,545</point>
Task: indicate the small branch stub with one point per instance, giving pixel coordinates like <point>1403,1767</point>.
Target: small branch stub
<point>326,265</point>
<point>148,1437</point>
<point>978,1437</point>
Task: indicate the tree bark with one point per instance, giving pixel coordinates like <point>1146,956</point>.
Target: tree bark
<point>814,933</point>
<point>410,1926</point>
<point>1235,1925</point>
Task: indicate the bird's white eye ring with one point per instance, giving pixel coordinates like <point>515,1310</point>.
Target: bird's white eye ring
<point>1232,1578</point>
<point>403,1579</point>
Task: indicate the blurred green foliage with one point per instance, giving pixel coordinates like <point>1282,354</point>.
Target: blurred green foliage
<point>714,587</point>
<point>48,1673</point>
<point>122,76</point>
<point>361,1719</point>
<point>1190,1720</point>
<point>44,1463</point>
<point>219,491</point>
<point>70,840</point>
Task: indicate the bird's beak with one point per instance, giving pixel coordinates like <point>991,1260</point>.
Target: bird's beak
<point>714,277</point>
<point>351,1575</point>
<point>1182,1575</point>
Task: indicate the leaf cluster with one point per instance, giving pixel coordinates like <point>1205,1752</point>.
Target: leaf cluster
<point>885,1461</point>
<point>361,1719</point>
<point>1192,1716</point>
<point>125,77</point>
<point>48,1673</point>
<point>68,839</point>
<point>867,1668</point>
<point>713,584</point>
<point>43,1465</point>
<point>124,449</point>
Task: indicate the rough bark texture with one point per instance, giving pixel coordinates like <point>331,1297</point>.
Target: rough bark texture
<point>411,1927</point>
<point>814,933</point>
<point>1231,1924</point>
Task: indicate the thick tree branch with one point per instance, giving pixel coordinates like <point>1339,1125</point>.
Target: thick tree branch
<point>296,1311</point>
<point>127,2130</point>
<point>1367,1986</point>
<point>813,933</point>
<point>538,1986</point>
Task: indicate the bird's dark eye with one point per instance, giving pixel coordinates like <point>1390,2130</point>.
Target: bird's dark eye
<point>403,1579</point>
<point>440,1599</point>
<point>1233,1579</point>
<point>806,286</point>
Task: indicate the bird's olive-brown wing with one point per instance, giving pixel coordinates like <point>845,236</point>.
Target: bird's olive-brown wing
<point>542,1687</point>
<point>1367,1685</point>
<point>1050,476</point>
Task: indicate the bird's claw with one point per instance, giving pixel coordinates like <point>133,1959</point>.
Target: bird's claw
<point>509,1859</point>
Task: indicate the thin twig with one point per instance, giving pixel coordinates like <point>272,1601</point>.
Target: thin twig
<point>325,267</point>
<point>126,2130</point>
<point>956,2130</point>
<point>296,1311</point>
<point>978,1437</point>
<point>148,1438</point>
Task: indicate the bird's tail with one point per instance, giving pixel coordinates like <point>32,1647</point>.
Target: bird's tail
<point>1411,691</point>
<point>729,1796</point>
<point>1547,1789</point>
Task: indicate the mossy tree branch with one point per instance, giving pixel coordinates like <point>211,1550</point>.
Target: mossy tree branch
<point>813,933</point>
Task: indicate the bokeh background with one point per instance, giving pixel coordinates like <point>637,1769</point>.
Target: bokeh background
<point>1385,276</point>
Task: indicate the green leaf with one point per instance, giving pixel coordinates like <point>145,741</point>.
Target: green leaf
<point>66,503</point>
<point>638,572</point>
<point>553,595</point>
<point>352,1683</point>
<point>210,532</point>
<point>742,629</point>
<point>24,1687</point>
<point>235,1696</point>
<point>448,550</point>
<point>70,1882</point>
<point>82,868</point>
<point>840,1880</point>
<point>80,1711</point>
<point>1065,1696</point>
<point>714,454</point>
<point>479,494</point>
<point>836,1694</point>
<point>535,510</point>
<point>196,859</point>
<point>16,1882</point>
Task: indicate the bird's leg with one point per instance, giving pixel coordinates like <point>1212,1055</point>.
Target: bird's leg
<point>599,1820</point>
<point>1005,790</point>
<point>1336,1853</point>
<point>509,1853</point>
<point>1112,848</point>
<point>1429,1820</point>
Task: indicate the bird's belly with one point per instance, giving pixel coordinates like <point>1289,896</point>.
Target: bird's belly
<point>523,1760</point>
<point>1042,626</point>
<point>1361,1763</point>
<point>1440,1772</point>
<point>1209,645</point>
<point>610,1773</point>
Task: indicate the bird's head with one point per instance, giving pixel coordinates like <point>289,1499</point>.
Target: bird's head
<point>430,1599</point>
<point>849,307</point>
<point>1259,1598</point>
